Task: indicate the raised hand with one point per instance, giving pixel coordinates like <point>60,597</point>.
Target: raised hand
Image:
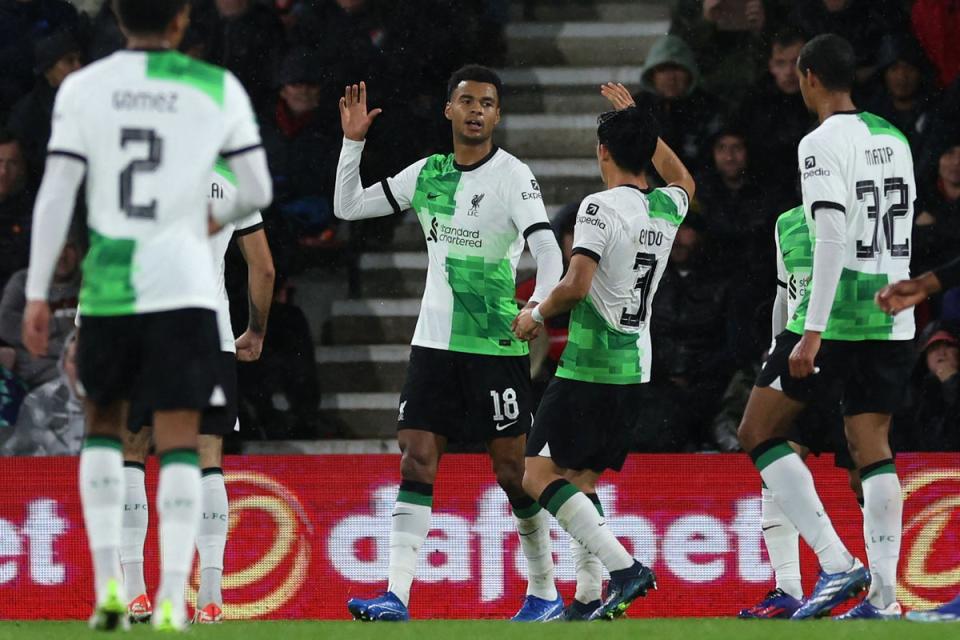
<point>354,117</point>
<point>618,95</point>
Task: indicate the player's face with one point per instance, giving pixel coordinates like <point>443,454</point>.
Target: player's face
<point>12,170</point>
<point>949,166</point>
<point>474,111</point>
<point>783,67</point>
<point>902,80</point>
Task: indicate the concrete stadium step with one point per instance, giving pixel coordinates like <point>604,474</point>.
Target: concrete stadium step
<point>363,415</point>
<point>393,275</point>
<point>582,43</point>
<point>371,321</point>
<point>566,180</point>
<point>549,135</point>
<point>362,368</point>
<point>562,90</point>
<point>606,10</point>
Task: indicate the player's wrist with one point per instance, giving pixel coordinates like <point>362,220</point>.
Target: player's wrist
<point>537,315</point>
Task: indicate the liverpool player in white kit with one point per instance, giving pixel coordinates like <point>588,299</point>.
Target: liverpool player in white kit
<point>145,125</point>
<point>858,193</point>
<point>622,241</point>
<point>469,377</point>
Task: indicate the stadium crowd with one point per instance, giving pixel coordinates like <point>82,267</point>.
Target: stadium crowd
<point>723,88</point>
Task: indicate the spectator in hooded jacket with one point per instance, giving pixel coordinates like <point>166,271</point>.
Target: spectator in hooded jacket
<point>688,116</point>
<point>933,420</point>
<point>16,206</point>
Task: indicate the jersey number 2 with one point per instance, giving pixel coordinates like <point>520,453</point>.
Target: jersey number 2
<point>143,165</point>
<point>646,263</point>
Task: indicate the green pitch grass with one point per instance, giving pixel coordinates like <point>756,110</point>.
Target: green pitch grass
<point>677,629</point>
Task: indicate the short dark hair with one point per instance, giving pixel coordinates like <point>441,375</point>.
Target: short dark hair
<point>786,37</point>
<point>147,16</point>
<point>631,137</point>
<point>474,73</point>
<point>9,137</point>
<point>831,58</point>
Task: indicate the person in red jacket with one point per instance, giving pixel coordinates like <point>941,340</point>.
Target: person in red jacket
<point>936,24</point>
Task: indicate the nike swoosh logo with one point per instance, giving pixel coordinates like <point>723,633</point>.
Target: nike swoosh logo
<point>501,427</point>
<point>773,526</point>
<point>433,196</point>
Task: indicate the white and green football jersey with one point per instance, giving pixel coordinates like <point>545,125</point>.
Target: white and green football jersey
<point>475,220</point>
<point>794,257</point>
<point>630,233</point>
<point>149,125</point>
<point>222,193</point>
<point>860,164</point>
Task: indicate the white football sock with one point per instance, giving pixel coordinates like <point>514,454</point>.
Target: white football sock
<point>883,521</point>
<point>537,548</point>
<point>212,537</point>
<point>589,573</point>
<point>102,495</point>
<point>410,526</point>
<point>178,505</point>
<point>783,545</point>
<point>578,516</point>
<point>788,477</point>
<point>134,533</point>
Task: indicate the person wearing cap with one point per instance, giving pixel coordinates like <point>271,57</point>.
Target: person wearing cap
<point>301,148</point>
<point>904,92</point>
<point>933,418</point>
<point>55,58</point>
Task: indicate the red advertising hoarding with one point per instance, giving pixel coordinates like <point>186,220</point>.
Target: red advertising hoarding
<point>308,532</point>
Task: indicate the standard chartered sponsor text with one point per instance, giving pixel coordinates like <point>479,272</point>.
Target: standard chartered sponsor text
<point>459,237</point>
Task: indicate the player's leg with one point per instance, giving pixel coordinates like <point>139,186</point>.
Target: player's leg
<point>533,527</point>
<point>882,504</point>
<point>102,496</point>
<point>584,426</point>
<point>879,373</point>
<point>589,570</point>
<point>136,516</point>
<point>213,528</point>
<point>215,423</point>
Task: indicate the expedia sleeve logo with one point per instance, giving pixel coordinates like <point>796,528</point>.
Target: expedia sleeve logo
<point>592,209</point>
<point>809,162</point>
<point>534,194</point>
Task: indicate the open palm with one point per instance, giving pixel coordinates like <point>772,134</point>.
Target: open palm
<point>354,117</point>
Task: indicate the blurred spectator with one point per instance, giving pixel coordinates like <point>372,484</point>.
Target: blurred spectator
<point>687,115</point>
<point>302,141</point>
<point>56,57</point>
<point>936,24</point>
<point>64,290</point>
<point>106,36</point>
<point>16,207</point>
<point>728,39</point>
<point>739,214</point>
<point>935,415</point>
<point>774,117</point>
<point>862,22</point>
<point>23,22</point>
<point>691,356</point>
<point>51,420</point>
<point>248,39</point>
<point>936,234</point>
<point>12,393</point>
<point>905,95</point>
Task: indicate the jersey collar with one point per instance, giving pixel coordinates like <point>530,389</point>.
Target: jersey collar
<point>479,163</point>
<point>648,190</point>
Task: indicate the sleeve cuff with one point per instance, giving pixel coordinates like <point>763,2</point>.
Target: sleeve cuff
<point>583,251</point>
<point>248,230</point>
<point>537,226</point>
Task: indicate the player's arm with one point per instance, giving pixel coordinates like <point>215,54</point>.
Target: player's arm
<point>896,297</point>
<point>350,200</point>
<point>260,277</point>
<point>243,151</point>
<point>52,212</point>
<point>823,196</point>
<point>779,318</point>
<point>588,244</point>
<point>665,161</point>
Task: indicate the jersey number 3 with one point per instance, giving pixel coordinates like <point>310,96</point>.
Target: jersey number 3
<point>154,150</point>
<point>646,264</point>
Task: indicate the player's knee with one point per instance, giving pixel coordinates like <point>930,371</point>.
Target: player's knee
<point>418,465</point>
<point>510,477</point>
